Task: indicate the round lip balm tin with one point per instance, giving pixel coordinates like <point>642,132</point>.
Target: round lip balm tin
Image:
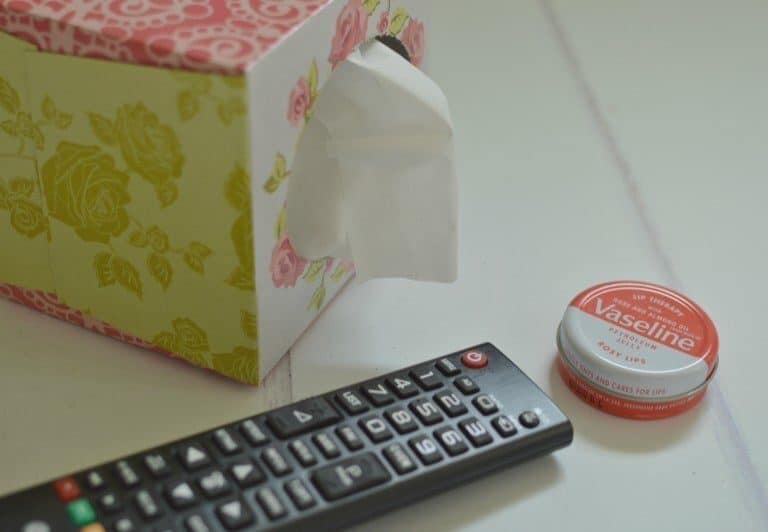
<point>637,350</point>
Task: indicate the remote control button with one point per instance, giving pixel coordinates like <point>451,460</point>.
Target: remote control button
<point>234,514</point>
<point>425,449</point>
<point>147,506</point>
<point>450,403</point>
<point>403,386</point>
<point>81,512</point>
<point>157,465</point>
<point>36,526</point>
<point>214,484</point>
<point>246,474</point>
<point>451,441</point>
<point>466,385</point>
<point>196,523</point>
<point>180,495</point>
<point>378,394</point>
<point>270,503</point>
<point>299,494</point>
<point>109,503</point>
<point>303,453</point>
<point>66,489</point>
<point>474,359</point>
<point>485,404</point>
<point>529,419</point>
<point>504,426</point>
<point>302,417</point>
<point>426,411</point>
<point>124,524</point>
<point>93,527</point>
<point>126,474</point>
<point>375,428</point>
<point>475,431</point>
<point>194,457</point>
<point>349,436</point>
<point>349,476</point>
<point>426,378</point>
<point>351,402</point>
<point>253,433</point>
<point>94,481</point>
<point>399,458</point>
<point>401,419</point>
<point>225,442</point>
<point>276,462</point>
<point>447,367</point>
<point>326,445</point>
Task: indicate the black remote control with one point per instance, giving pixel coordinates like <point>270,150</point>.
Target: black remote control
<point>318,464</point>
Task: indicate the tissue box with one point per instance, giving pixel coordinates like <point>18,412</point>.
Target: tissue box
<point>144,150</point>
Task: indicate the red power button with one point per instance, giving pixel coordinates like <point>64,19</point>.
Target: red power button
<point>474,359</point>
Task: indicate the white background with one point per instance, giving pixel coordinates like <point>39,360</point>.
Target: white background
<point>596,140</point>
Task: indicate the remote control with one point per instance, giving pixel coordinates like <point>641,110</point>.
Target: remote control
<point>318,464</point>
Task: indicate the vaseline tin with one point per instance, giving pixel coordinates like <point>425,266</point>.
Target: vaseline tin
<point>636,349</point>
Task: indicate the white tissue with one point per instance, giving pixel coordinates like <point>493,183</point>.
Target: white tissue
<point>374,180</point>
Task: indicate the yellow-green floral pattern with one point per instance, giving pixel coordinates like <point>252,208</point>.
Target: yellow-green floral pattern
<point>18,198</point>
<point>237,190</point>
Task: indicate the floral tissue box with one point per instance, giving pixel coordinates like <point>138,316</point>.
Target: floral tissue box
<point>144,148</point>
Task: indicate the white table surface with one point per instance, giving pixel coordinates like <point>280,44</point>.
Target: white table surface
<point>596,140</point>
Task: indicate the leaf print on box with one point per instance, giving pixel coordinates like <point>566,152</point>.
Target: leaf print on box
<point>241,363</point>
<point>278,175</point>
<point>149,148</point>
<point>18,198</point>
<point>198,90</point>
<point>237,191</point>
<point>187,339</point>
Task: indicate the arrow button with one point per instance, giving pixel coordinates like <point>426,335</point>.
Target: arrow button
<point>302,417</point>
<point>234,514</point>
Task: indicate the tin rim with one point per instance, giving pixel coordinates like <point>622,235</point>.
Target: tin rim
<point>608,391</point>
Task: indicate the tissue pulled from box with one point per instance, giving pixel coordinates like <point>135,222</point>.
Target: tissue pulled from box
<point>374,179</point>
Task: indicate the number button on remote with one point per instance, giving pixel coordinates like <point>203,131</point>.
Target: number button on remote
<point>351,402</point>
<point>349,476</point>
<point>375,428</point>
<point>403,386</point>
<point>485,404</point>
<point>425,449</point>
<point>426,411</point>
<point>156,465</point>
<point>451,441</point>
<point>378,394</point>
<point>146,504</point>
<point>94,480</point>
<point>475,431</point>
<point>126,474</point>
<point>124,524</point>
<point>196,523</point>
<point>401,419</point>
<point>350,438</point>
<point>447,367</point>
<point>466,385</point>
<point>109,503</point>
<point>302,417</point>
<point>504,426</point>
<point>299,494</point>
<point>529,419</point>
<point>326,445</point>
<point>246,474</point>
<point>303,453</point>
<point>234,514</point>
<point>450,403</point>
<point>399,458</point>
<point>426,378</point>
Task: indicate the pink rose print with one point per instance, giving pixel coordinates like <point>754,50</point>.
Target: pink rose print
<point>413,39</point>
<point>351,27</point>
<point>383,24</point>
<point>286,266</point>
<point>299,102</point>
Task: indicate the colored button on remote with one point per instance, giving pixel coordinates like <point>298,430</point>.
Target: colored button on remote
<point>81,512</point>
<point>66,489</point>
<point>474,359</point>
